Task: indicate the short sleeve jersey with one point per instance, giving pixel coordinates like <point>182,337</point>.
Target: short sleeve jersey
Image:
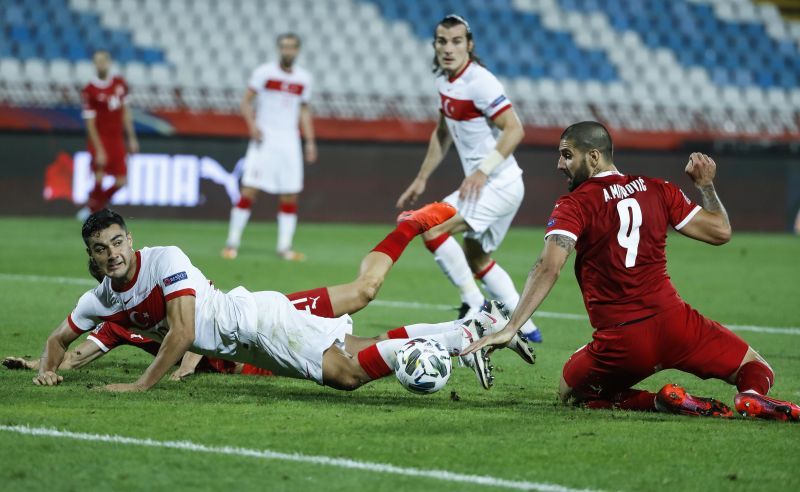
<point>619,223</point>
<point>102,100</point>
<point>279,95</point>
<point>108,336</point>
<point>470,101</point>
<point>162,274</point>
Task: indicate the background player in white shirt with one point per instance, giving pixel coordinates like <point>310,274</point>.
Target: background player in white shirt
<point>274,162</point>
<point>158,293</point>
<point>478,118</point>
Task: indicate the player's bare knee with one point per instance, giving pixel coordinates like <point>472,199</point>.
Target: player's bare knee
<point>368,288</point>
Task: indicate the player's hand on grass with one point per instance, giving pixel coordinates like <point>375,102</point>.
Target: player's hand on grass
<point>124,388</point>
<point>180,374</point>
<point>701,168</point>
<point>470,188</point>
<point>493,341</point>
<point>47,378</point>
<point>409,197</point>
<point>311,152</point>
<point>17,363</point>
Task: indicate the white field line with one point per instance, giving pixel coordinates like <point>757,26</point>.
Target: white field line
<point>775,330</point>
<point>267,454</point>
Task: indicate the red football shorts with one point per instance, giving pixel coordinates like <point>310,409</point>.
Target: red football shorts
<point>680,338</point>
<point>116,163</point>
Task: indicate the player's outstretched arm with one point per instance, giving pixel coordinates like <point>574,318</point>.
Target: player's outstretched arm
<point>438,146</point>
<point>180,318</point>
<point>53,355</point>
<point>73,359</point>
<point>711,224</point>
<point>542,277</point>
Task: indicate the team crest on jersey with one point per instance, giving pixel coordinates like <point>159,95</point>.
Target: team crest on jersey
<point>175,278</point>
<point>497,101</point>
<point>551,222</point>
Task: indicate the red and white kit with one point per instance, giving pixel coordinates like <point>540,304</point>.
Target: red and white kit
<point>619,223</point>
<point>259,328</point>
<point>470,101</point>
<point>103,100</point>
<point>276,164</point>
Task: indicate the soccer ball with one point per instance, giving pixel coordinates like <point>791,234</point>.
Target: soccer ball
<point>423,366</point>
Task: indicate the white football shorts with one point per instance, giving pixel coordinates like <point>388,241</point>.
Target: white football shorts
<point>491,214</point>
<point>275,165</point>
<point>290,342</point>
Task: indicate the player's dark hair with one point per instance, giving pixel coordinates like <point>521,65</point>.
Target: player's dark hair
<point>288,35</point>
<point>589,135</point>
<point>447,22</point>
<point>102,219</point>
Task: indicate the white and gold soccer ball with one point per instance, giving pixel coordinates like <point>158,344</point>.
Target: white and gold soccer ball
<point>423,366</point>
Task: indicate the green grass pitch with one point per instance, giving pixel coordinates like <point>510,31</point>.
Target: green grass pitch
<point>516,431</point>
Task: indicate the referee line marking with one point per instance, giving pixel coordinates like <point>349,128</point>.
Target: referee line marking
<point>266,454</point>
<point>774,330</point>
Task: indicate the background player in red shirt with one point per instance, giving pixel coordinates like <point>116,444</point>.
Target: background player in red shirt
<point>618,224</point>
<point>106,112</point>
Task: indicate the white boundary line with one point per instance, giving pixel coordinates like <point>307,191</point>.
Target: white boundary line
<point>267,454</point>
<point>774,330</point>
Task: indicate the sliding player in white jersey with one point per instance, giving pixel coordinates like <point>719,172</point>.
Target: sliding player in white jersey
<point>158,293</point>
<point>274,161</point>
<point>478,118</point>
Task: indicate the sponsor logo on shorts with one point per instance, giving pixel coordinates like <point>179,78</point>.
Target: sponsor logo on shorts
<point>175,278</point>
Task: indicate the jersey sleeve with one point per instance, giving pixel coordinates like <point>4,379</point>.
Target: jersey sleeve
<point>566,219</point>
<point>88,104</point>
<point>257,80</point>
<point>105,337</point>
<point>489,97</point>
<point>84,317</point>
<point>680,207</point>
<point>176,274</point>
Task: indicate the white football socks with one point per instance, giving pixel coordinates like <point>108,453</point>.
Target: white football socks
<point>453,263</point>
<point>239,218</point>
<point>287,223</point>
<point>499,286</point>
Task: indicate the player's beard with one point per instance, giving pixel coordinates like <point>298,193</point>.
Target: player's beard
<point>581,175</point>
<point>287,61</point>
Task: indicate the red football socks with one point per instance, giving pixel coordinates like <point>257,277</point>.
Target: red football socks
<point>395,243</point>
<point>755,376</point>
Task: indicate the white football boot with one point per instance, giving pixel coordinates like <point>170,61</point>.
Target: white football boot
<point>479,361</point>
<point>492,318</point>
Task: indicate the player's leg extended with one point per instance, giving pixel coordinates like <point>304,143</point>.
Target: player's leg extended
<point>240,214</point>
<point>450,257</point>
<point>353,296</point>
<point>497,282</point>
<point>373,360</point>
<point>287,224</point>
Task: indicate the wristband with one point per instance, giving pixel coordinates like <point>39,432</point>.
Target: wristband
<point>491,162</point>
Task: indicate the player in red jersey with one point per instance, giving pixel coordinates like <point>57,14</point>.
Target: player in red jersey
<point>106,112</point>
<point>618,225</point>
